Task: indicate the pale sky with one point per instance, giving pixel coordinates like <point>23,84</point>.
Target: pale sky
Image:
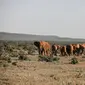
<point>64,18</point>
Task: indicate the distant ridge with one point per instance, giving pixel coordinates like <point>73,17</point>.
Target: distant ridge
<point>31,37</point>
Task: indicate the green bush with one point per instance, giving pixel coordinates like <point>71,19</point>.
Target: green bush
<point>74,61</point>
<point>47,59</point>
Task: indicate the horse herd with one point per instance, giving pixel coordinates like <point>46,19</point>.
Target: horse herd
<point>46,49</point>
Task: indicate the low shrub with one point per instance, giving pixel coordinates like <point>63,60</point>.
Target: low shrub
<point>24,57</point>
<point>47,59</point>
<point>9,60</point>
<point>5,64</point>
<point>31,49</point>
<point>14,54</point>
<point>5,57</point>
<point>74,60</point>
<point>56,59</point>
<point>14,63</point>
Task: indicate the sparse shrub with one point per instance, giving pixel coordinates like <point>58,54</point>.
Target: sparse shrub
<point>23,57</point>
<point>52,75</point>
<point>83,56</point>
<point>31,49</point>
<point>2,62</point>
<point>74,61</point>
<point>69,83</point>
<point>5,65</point>
<point>14,54</point>
<point>79,75</point>
<point>47,59</point>
<point>5,57</point>
<point>56,59</point>
<point>9,60</point>
<point>14,63</point>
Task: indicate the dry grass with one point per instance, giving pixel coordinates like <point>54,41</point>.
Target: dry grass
<point>43,73</point>
<point>34,72</point>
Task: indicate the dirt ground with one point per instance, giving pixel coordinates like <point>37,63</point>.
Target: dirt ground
<point>43,73</point>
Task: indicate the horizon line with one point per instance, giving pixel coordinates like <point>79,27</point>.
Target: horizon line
<point>40,34</point>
